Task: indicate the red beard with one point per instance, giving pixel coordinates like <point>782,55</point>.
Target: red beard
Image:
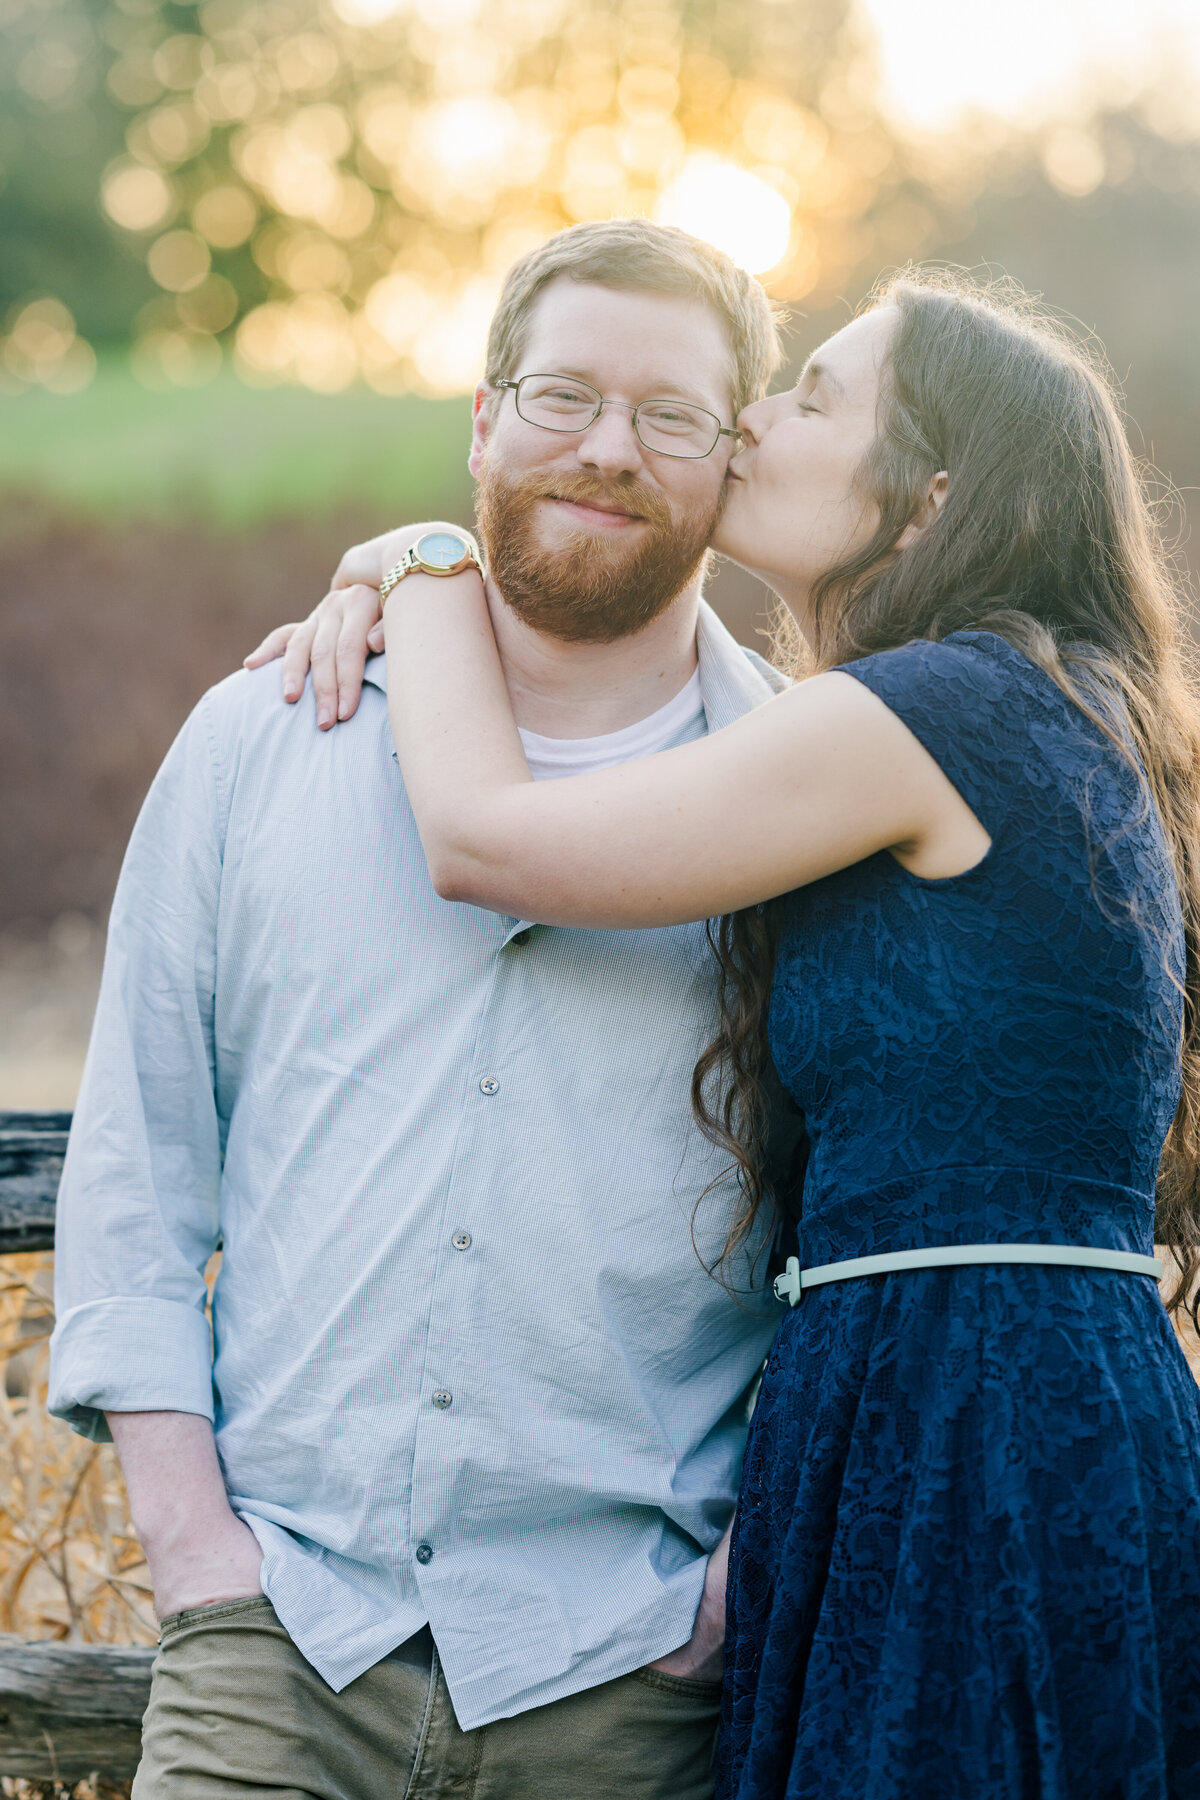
<point>600,588</point>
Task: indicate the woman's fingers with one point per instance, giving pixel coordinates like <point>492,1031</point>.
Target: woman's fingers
<point>296,657</point>
<point>272,646</point>
<point>339,650</point>
<point>333,642</point>
<point>351,660</point>
<point>361,622</point>
<point>323,657</point>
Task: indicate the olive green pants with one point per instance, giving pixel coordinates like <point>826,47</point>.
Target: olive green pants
<point>236,1711</point>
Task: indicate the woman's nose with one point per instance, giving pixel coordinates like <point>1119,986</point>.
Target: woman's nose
<point>750,422</point>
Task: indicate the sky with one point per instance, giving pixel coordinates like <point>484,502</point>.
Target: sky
<point>1033,60</point>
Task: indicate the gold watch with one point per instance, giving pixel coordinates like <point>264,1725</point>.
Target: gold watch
<point>440,552</point>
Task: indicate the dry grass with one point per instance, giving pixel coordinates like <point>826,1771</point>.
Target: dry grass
<point>70,1566</point>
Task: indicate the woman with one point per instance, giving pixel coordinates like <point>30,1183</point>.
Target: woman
<point>960,868</point>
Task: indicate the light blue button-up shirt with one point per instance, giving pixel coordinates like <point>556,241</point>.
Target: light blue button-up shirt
<point>466,1365</point>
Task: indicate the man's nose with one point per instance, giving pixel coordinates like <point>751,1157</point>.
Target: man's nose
<point>610,444</point>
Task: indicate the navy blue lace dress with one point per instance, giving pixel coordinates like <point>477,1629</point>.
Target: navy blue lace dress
<point>966,1564</point>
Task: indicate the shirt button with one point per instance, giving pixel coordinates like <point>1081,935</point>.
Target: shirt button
<point>522,937</point>
<point>489,1085</point>
<point>461,1240</point>
<point>424,1553</point>
<point>443,1399</point>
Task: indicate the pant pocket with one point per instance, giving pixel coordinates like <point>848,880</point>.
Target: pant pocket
<point>685,1685</point>
<point>203,1615</point>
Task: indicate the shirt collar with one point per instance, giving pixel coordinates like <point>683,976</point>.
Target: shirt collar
<point>732,680</point>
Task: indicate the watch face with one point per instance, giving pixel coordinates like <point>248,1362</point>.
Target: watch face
<point>442,549</point>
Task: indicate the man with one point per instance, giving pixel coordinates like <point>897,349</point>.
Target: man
<point>478,1405</point>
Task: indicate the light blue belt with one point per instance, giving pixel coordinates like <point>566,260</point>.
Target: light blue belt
<point>789,1285</point>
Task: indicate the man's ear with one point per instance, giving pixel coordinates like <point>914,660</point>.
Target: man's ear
<point>927,512</point>
<point>481,425</point>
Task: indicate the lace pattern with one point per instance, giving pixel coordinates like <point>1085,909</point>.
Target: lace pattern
<point>967,1557</point>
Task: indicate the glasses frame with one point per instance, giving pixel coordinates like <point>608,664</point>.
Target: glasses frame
<point>719,430</point>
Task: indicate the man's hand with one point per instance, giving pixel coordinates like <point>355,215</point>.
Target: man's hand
<point>702,1658</point>
<point>198,1549</point>
<point>203,1562</point>
<point>340,631</point>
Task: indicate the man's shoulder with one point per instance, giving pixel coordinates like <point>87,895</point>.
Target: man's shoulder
<point>245,698</point>
<point>247,709</point>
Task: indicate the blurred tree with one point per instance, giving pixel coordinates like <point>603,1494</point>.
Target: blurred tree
<point>339,185</point>
<point>58,128</point>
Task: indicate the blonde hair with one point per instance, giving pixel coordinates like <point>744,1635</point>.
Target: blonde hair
<point>634,254</point>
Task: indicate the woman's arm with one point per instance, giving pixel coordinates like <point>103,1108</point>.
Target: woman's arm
<point>817,779</point>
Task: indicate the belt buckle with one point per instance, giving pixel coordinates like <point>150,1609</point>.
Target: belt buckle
<point>787,1285</point>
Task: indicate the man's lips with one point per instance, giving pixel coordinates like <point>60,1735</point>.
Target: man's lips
<point>591,510</point>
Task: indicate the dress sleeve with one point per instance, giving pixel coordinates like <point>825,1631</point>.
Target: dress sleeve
<point>963,700</point>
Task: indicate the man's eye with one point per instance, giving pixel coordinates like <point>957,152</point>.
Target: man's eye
<point>677,421</point>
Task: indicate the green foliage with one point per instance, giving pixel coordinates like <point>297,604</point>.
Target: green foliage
<point>230,455</point>
<point>58,128</point>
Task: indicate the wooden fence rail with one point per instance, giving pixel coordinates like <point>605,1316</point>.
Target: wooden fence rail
<point>66,1710</point>
<point>31,1158</point>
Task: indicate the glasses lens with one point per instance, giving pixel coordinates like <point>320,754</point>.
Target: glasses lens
<point>556,402</point>
<point>676,429</point>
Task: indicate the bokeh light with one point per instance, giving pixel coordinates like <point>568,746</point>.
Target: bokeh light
<point>135,197</point>
<point>328,191</point>
<point>40,347</point>
<point>331,190</point>
<point>732,208</point>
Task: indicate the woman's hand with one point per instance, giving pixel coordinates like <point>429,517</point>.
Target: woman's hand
<point>342,629</point>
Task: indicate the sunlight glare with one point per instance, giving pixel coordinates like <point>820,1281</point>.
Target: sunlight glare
<point>367,12</point>
<point>444,14</point>
<point>733,208</point>
<point>1032,60</point>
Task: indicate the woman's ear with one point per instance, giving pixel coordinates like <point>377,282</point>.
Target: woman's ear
<point>927,512</point>
<point>481,421</point>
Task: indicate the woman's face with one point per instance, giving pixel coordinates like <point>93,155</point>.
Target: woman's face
<point>794,510</point>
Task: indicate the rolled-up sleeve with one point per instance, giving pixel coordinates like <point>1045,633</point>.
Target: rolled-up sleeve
<point>138,1209</point>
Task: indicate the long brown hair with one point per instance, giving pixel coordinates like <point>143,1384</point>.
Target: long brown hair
<point>1048,537</point>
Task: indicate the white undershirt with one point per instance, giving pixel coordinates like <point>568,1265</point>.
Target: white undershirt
<point>679,721</point>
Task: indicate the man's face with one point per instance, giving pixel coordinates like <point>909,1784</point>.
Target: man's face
<point>589,535</point>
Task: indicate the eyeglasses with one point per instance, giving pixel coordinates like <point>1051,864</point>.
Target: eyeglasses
<point>668,427</point>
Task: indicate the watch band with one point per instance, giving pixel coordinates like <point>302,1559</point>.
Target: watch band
<point>397,572</point>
